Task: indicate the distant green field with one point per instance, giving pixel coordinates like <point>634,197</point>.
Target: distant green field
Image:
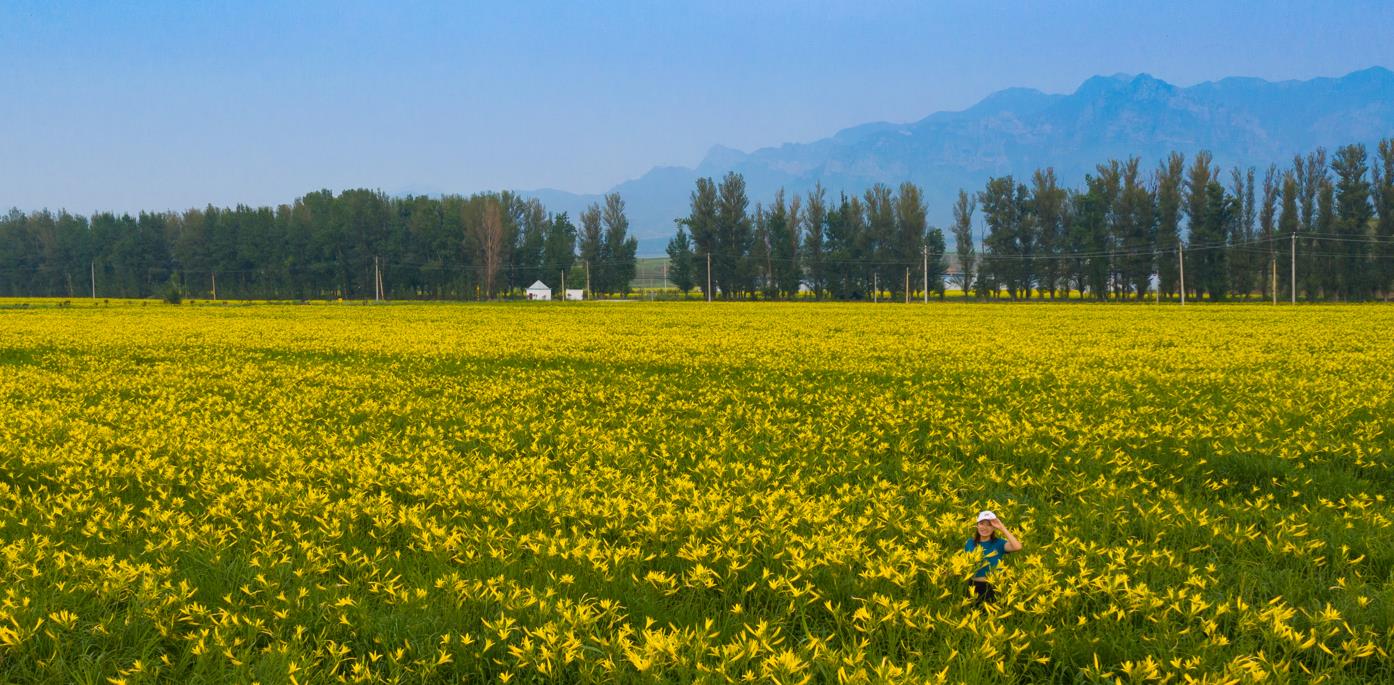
<point>651,273</point>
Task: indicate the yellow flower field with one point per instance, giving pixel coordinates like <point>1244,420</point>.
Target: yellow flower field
<point>694,492</point>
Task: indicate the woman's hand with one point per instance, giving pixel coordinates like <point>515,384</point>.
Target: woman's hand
<point>1013,545</point>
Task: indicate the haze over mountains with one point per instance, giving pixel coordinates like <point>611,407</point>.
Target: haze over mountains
<point>1245,121</point>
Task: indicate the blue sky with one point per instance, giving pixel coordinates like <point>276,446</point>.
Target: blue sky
<point>166,105</point>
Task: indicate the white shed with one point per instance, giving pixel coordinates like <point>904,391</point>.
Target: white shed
<point>575,294</point>
<point>539,291</point>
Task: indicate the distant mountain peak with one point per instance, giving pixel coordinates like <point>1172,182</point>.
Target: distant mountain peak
<point>1013,99</point>
<point>1122,83</point>
<point>1241,121</point>
<point>720,155</point>
<point>1375,74</point>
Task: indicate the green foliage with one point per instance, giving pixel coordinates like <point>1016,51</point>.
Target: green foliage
<point>1383,192</point>
<point>812,258</point>
<point>681,262</point>
<point>1113,237</point>
<point>559,251</point>
<point>784,236</point>
<point>1134,234</point>
<point>964,242</point>
<point>1351,278</point>
<point>1010,239</point>
<point>174,290</point>
<point>935,263</point>
<point>732,269</point>
<point>1051,221</point>
<point>321,245</point>
<point>759,257</point>
<point>593,250</point>
<point>620,247</point>
<point>1170,184</point>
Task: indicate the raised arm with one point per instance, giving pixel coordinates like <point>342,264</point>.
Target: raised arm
<point>1013,544</point>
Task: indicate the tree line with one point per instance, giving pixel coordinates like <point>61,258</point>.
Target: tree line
<point>851,248</point>
<point>1319,228</point>
<point>1329,222</point>
<point>321,246</point>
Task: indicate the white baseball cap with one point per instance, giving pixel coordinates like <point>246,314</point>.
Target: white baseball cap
<point>986,516</point>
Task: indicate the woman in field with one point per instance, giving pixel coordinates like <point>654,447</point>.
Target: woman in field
<point>994,548</point>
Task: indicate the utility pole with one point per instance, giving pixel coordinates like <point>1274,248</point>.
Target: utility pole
<point>215,286</point>
<point>907,285</point>
<point>1293,284</point>
<point>1181,259</point>
<point>926,274</point>
<point>377,281</point>
<point>709,277</point>
<point>876,286</point>
<point>563,285</point>
<point>588,279</point>
<point>94,279</point>
<point>1273,279</point>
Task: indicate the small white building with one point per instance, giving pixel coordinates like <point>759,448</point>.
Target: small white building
<point>575,294</point>
<point>539,291</point>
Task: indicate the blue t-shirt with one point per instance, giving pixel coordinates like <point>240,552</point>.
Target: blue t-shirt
<point>993,551</point>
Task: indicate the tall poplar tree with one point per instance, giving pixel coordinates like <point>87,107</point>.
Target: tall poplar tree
<point>783,237</point>
<point>911,229</point>
<point>1089,230</point>
<point>1352,221</point>
<point>963,241</point>
<point>593,249</point>
<point>1384,211</point>
<point>701,222</point>
<point>1007,246</point>
<point>1048,209</point>
<point>844,258</point>
<point>1243,258</point>
<point>491,242</point>
<point>620,247</point>
<point>1170,183</point>
<point>1289,226</point>
<point>1311,177</point>
<point>532,244</point>
<point>1267,236</point>
<point>734,235</point>
<point>883,262</point>
<point>1200,238</point>
<point>935,262</point>
<point>1210,224</point>
<point>1134,232</point>
<point>681,272</point>
<point>811,257</point>
<point>559,250</point>
<point>759,256</point>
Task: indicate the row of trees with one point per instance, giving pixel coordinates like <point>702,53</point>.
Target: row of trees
<point>852,248</point>
<point>321,245</point>
<point>1120,235</point>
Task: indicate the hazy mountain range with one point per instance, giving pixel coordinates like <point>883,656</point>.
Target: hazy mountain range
<point>1245,121</point>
